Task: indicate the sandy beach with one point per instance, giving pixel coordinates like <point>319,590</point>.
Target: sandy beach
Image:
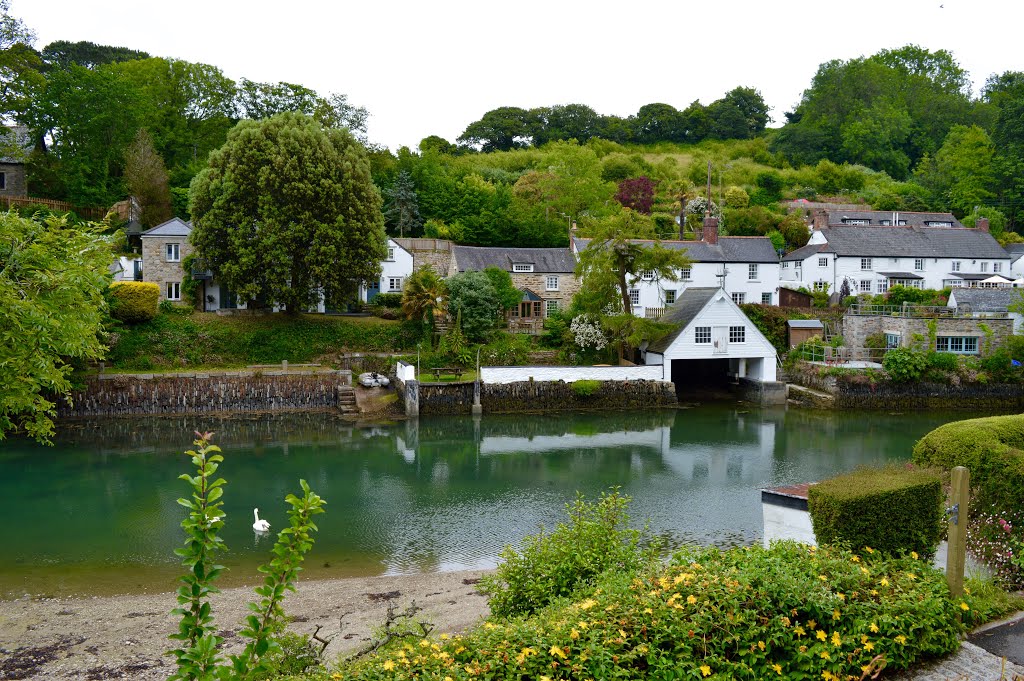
<point>125,637</point>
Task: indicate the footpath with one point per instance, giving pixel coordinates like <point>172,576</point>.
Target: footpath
<point>994,652</point>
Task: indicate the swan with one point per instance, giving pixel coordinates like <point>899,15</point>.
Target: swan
<point>259,525</point>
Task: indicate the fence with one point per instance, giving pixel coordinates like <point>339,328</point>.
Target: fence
<point>52,204</point>
<point>921,311</point>
<point>830,355</point>
<point>654,312</point>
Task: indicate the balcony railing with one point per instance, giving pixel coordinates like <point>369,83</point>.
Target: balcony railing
<point>200,270</point>
<point>917,311</point>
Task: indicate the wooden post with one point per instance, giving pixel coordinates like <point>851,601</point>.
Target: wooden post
<point>956,555</point>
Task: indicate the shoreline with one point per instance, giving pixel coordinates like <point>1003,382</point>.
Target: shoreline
<point>126,636</point>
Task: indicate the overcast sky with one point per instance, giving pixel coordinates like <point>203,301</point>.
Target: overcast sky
<point>431,68</point>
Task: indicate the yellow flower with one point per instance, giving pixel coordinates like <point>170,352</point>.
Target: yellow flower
<point>691,599</point>
<point>828,676</point>
<point>557,652</point>
<point>388,665</point>
<point>837,640</point>
<point>855,559</point>
<point>459,649</point>
<point>873,628</point>
<point>901,639</point>
<point>874,592</point>
<point>705,670</point>
<point>424,643</point>
<point>913,554</point>
<point>812,624</point>
<point>865,570</point>
<point>574,634</point>
<point>841,597</point>
<point>823,578</point>
<point>822,635</point>
<point>869,646</point>
<point>967,591</point>
<point>885,581</point>
<point>869,549</point>
<point>911,576</point>
<point>825,655</point>
<point>777,668</point>
<point>798,630</point>
<point>760,644</point>
<point>648,611</point>
<point>677,579</point>
<point>863,638</point>
<point>588,604</point>
<point>489,625</point>
<point>835,614</point>
<point>545,678</point>
<point>582,624</point>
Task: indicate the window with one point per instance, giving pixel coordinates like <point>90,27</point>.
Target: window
<point>952,283</point>
<point>961,345</point>
<point>702,335</point>
<point>997,266</point>
<point>394,284</point>
<point>391,253</point>
<point>687,274</point>
<point>984,266</point>
<point>883,286</point>
<point>766,299</point>
<point>956,265</point>
<point>739,298</point>
<point>752,272</point>
<point>821,286</point>
<point>865,286</point>
<point>822,262</point>
<point>551,307</point>
<point>173,252</point>
<point>938,223</point>
<point>522,267</point>
<point>885,223</point>
<point>892,340</point>
<point>670,296</point>
<point>865,263</point>
<point>647,275</point>
<point>3,180</point>
<point>737,334</point>
<point>785,265</point>
<point>634,296</point>
<point>855,221</point>
<point>919,264</point>
<point>514,312</point>
<point>174,290</point>
<point>551,282</point>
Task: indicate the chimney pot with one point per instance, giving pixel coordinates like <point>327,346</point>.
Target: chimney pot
<point>982,224</point>
<point>710,230</point>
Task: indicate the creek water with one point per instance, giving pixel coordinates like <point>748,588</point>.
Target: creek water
<point>97,513</point>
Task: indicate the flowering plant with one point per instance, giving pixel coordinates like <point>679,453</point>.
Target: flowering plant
<point>996,538</point>
<point>588,333</point>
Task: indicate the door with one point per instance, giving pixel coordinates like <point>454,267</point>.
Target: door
<point>720,340</point>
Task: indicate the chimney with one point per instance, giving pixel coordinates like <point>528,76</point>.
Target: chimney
<point>981,224</point>
<point>710,235</point>
<point>820,220</point>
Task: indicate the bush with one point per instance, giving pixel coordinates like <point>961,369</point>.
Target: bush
<point>990,448</point>
<point>893,510</point>
<point>943,361</point>
<point>995,537</point>
<point>136,301</point>
<point>554,565</point>
<point>585,388</point>
<point>392,301</point>
<point>505,350</point>
<point>904,365</point>
<point>787,612</point>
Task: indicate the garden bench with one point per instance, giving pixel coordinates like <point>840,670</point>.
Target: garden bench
<point>450,371</point>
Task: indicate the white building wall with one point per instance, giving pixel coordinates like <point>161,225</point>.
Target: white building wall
<point>397,267</point>
<point>570,374</point>
<point>708,274</point>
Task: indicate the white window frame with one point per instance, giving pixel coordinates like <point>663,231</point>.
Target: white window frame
<point>955,266</point>
<point>752,272</point>
<point>739,297</point>
<point>391,253</point>
<point>172,252</point>
<point>919,264</point>
<point>173,290</point>
<point>883,286</point>
<point>737,334</point>
<point>634,296</point>
<point>551,282</point>
<point>550,307</point>
<point>865,264</point>
<point>391,284</point>
<point>822,262</point>
<point>864,286</point>
<point>820,286</point>
<point>892,340</point>
<point>785,264</point>
<point>686,274</point>
<point>647,275</point>
<point>702,335</point>
<point>521,267</point>
<point>766,298</point>
<point>984,266</point>
<point>670,292</point>
<point>997,267</point>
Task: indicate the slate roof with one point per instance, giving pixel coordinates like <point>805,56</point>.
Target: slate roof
<point>543,259</point>
<point>686,308</point>
<point>804,324</point>
<point>22,139</point>
<point>875,218</point>
<point>804,252</point>
<point>917,242</point>
<point>901,275</point>
<point>1015,250</point>
<point>989,299</point>
<point>173,227</point>
<point>752,249</point>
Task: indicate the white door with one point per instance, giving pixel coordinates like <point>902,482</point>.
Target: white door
<point>720,339</point>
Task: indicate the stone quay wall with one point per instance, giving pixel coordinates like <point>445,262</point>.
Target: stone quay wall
<point>528,396</point>
<point>994,397</point>
<point>241,391</point>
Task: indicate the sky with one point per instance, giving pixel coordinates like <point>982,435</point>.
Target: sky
<point>432,68</point>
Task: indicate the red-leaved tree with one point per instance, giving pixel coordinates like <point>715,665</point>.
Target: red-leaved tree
<point>637,193</point>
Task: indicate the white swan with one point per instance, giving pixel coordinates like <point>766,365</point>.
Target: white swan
<point>259,525</point>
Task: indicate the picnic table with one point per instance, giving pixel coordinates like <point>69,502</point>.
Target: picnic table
<point>450,371</point>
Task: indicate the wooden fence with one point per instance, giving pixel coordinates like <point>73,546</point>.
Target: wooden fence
<point>52,204</point>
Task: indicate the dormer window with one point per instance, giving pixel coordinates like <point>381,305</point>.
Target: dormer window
<point>856,221</point>
<point>522,267</point>
<point>885,223</point>
<point>938,223</point>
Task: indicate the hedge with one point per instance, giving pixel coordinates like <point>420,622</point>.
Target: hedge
<point>135,301</point>
<point>894,510</point>
<point>991,448</point>
<point>790,612</point>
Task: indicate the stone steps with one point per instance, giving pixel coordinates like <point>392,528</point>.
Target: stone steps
<point>347,403</point>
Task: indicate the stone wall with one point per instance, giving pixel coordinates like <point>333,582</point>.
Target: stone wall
<point>437,253</point>
<point>155,267</point>
<point>14,179</point>
<point>994,397</point>
<point>568,286</point>
<point>856,328</point>
<point>250,391</point>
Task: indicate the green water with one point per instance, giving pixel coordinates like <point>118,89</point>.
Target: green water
<point>97,512</point>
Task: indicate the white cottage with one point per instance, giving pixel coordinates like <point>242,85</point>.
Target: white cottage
<point>395,269</point>
<point>714,339</point>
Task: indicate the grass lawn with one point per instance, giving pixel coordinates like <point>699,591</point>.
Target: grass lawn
<point>206,340</point>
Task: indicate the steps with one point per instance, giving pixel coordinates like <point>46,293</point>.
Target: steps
<point>347,400</point>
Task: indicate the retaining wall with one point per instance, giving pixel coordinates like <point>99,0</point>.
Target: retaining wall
<point>243,391</point>
<point>521,396</point>
<point>994,397</point>
<point>492,375</point>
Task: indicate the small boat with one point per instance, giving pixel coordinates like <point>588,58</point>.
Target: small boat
<point>373,380</point>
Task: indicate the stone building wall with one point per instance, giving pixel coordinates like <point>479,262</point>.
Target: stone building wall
<point>156,268</point>
<point>15,183</point>
<point>856,329</point>
<point>528,396</point>
<point>537,282</point>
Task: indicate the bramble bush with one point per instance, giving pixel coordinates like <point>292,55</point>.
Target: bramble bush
<point>789,612</point>
<point>596,539</point>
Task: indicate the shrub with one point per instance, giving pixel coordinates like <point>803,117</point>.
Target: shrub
<point>893,510</point>
<point>554,565</point>
<point>995,537</point>
<point>943,361</point>
<point>505,350</point>
<point>391,301</point>
<point>585,388</point>
<point>136,301</point>
<point>904,365</point>
<point>787,612</point>
<point>990,448</point>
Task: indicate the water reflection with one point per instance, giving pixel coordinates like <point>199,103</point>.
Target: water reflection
<point>433,494</point>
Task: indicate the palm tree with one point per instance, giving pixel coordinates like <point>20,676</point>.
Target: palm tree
<point>425,296</point>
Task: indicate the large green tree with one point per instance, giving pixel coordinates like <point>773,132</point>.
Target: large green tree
<point>52,279</point>
<point>286,211</point>
<point>146,180</point>
<point>961,173</point>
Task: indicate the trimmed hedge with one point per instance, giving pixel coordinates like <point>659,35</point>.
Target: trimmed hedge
<point>991,448</point>
<point>136,301</point>
<point>893,510</point>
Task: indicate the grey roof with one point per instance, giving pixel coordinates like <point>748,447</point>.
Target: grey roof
<point>876,217</point>
<point>804,324</point>
<point>173,227</point>
<point>919,242</point>
<point>970,276</point>
<point>543,259</point>
<point>1015,250</point>
<point>21,139</point>
<point>901,275</point>
<point>686,308</point>
<point>752,249</point>
<point>804,252</point>
<point>990,299</point>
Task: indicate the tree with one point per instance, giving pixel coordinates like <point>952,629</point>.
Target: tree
<point>751,106</point>
<point>566,122</point>
<point>473,300</point>
<point>403,210</point>
<point>961,173</point>
<point>425,295</point>
<point>502,129</point>
<point>61,54</point>
<point>52,279</point>
<point>637,194</point>
<point>508,295</point>
<point>286,211</point>
<point>659,123</point>
<point>146,180</point>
